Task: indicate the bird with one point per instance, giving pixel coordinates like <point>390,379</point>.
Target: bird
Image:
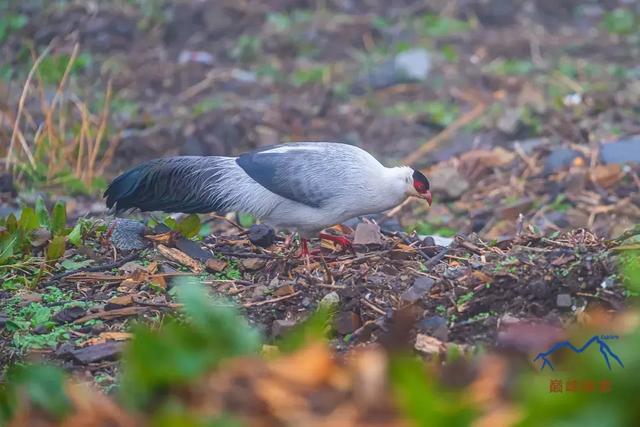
<point>298,186</point>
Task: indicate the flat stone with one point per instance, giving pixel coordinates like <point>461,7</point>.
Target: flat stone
<point>346,322</point>
<point>564,300</point>
<point>421,285</point>
<point>281,326</point>
<point>95,353</point>
<point>69,314</point>
<point>559,159</point>
<point>284,290</point>
<point>429,345</point>
<point>623,151</point>
<point>261,235</point>
<point>449,181</point>
<point>216,265</point>
<point>435,326</point>
<point>253,264</point>
<point>330,300</point>
<point>367,234</point>
<point>193,249</point>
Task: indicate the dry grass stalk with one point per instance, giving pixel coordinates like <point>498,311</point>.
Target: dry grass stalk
<point>84,154</point>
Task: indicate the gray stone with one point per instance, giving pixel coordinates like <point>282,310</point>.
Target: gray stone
<point>622,151</point>
<point>419,289</point>
<point>563,300</point>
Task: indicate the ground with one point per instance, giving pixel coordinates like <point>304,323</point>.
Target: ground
<point>522,114</point>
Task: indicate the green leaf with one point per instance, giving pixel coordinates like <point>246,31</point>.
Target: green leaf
<point>75,237</point>
<point>8,243</point>
<point>180,352</point>
<point>56,248</point>
<point>59,218</point>
<point>170,222</point>
<point>619,21</point>
<point>28,220</point>
<point>417,396</point>
<point>44,386</point>
<point>68,264</point>
<point>313,329</point>
<point>189,226</point>
<point>42,213</point>
<point>11,223</point>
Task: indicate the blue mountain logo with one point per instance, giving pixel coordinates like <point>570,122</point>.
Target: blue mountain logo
<point>605,350</point>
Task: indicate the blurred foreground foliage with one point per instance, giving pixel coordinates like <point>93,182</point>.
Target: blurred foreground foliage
<point>164,369</point>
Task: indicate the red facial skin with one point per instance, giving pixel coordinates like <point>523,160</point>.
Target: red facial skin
<point>423,191</point>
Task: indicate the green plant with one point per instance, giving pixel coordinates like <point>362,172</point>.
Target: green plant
<point>442,26</point>
<point>619,21</point>
<point>304,76</point>
<point>246,48</point>
<point>438,112</point>
<point>426,228</point>
<point>10,22</point>
<point>509,67</point>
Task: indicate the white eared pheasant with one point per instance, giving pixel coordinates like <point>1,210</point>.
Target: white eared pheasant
<point>306,186</point>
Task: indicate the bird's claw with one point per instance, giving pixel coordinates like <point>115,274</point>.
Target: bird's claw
<point>341,240</point>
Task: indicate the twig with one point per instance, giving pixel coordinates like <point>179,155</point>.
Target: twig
<point>436,258</point>
<point>103,267</point>
<point>269,301</point>
<point>373,306</point>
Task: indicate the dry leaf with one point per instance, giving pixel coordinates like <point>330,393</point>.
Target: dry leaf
<point>107,336</point>
<point>181,258</point>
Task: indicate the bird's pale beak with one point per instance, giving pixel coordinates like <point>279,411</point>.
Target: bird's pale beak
<point>427,196</point>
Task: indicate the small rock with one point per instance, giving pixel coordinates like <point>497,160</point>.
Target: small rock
<point>65,349</point>
<point>281,326</point>
<point>436,326</point>
<point>131,266</point>
<point>193,249</point>
<point>216,265</point>
<point>510,120</point>
<point>559,159</point>
<point>429,345</point>
<point>98,352</point>
<point>346,322</point>
<point>413,64</point>
<point>621,151</point>
<point>367,234</point>
<point>449,181</point>
<point>119,302</point>
<point>41,330</point>
<point>409,66</point>
<point>329,301</point>
<point>563,300</point>
<point>261,235</point>
<point>253,264</point>
<point>3,319</point>
<point>421,285</point>
<point>507,320</point>
<point>259,291</point>
<point>284,290</point>
<point>69,314</point>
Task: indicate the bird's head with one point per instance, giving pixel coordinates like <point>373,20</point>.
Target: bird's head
<point>418,186</point>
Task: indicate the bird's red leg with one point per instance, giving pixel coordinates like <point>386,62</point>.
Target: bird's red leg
<point>304,251</point>
<point>341,240</point>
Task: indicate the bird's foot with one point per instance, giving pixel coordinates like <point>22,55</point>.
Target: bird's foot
<point>304,248</point>
<point>341,240</point>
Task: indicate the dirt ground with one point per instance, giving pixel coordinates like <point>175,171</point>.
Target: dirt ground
<point>523,115</point>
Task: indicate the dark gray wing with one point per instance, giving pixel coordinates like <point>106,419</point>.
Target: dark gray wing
<point>297,172</point>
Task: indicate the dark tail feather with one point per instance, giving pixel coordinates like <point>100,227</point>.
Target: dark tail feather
<point>173,184</point>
